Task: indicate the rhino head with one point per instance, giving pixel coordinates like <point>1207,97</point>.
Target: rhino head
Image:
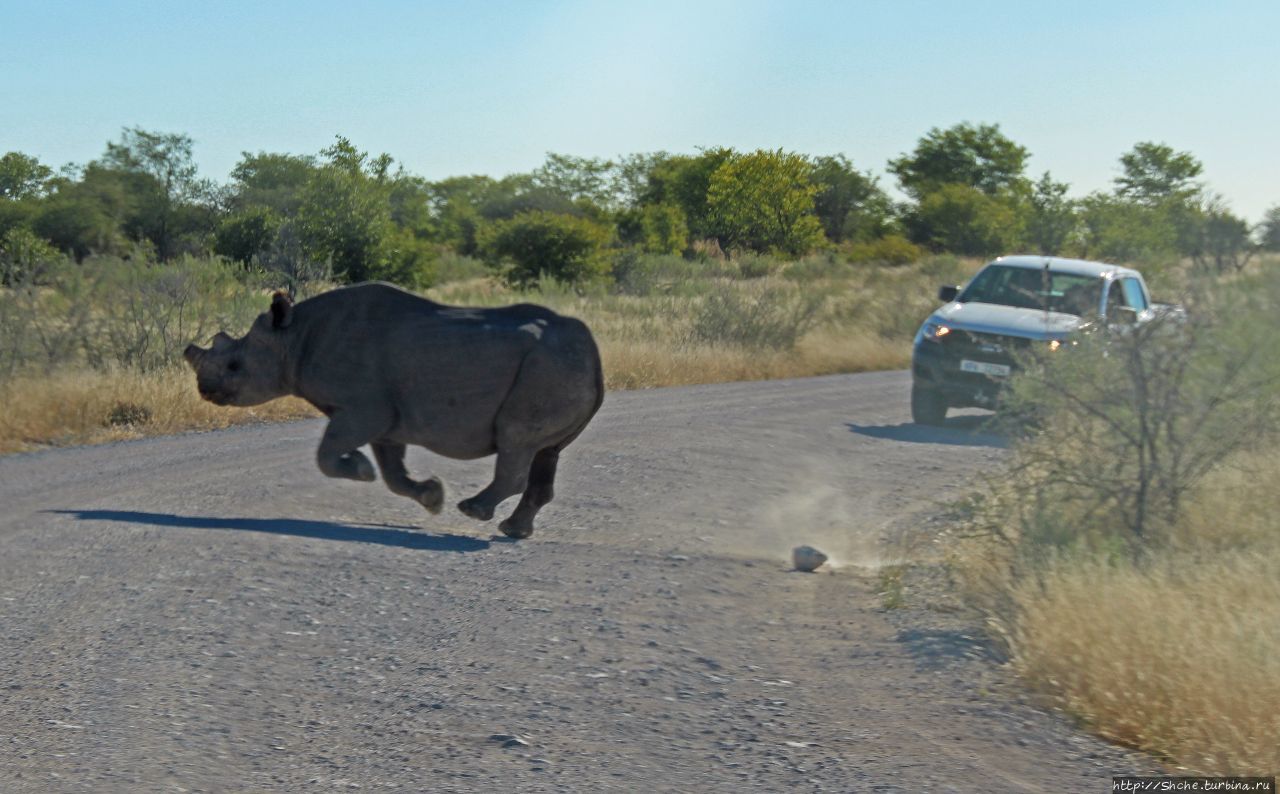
<point>249,370</point>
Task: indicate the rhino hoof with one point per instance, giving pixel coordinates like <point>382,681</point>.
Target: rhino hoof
<point>359,468</point>
<point>473,509</point>
<point>513,530</point>
<point>432,495</point>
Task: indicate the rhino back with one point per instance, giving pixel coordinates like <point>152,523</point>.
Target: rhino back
<point>443,371</point>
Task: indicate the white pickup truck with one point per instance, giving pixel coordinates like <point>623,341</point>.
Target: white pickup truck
<point>966,349</point>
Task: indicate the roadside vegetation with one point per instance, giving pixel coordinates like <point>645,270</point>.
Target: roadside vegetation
<point>1127,555</point>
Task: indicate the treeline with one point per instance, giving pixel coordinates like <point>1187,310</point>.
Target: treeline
<point>351,216</point>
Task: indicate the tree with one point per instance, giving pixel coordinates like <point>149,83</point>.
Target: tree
<point>273,181</point>
<point>166,183</point>
<point>1269,231</point>
<point>88,215</point>
<point>1117,230</point>
<point>539,243</point>
<point>22,177</point>
<point>345,216</point>
<point>246,234</point>
<point>964,220</point>
<point>1154,174</point>
<point>1215,238</point>
<point>579,179</point>
<point>979,157</point>
<point>763,201</point>
<point>848,203</point>
<point>1053,218</point>
<point>684,181</point>
<point>654,228</point>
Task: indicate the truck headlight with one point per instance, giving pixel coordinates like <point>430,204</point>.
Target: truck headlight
<point>935,331</point>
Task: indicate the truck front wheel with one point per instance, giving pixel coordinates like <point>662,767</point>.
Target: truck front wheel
<point>927,406</point>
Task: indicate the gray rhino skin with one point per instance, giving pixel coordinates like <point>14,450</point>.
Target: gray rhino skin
<point>390,369</point>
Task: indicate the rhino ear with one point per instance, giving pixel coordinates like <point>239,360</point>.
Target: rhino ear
<point>281,310</point>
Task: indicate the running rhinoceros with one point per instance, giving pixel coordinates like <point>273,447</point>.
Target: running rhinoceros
<point>389,369</point>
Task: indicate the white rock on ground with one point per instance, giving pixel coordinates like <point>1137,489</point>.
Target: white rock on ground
<point>807,558</point>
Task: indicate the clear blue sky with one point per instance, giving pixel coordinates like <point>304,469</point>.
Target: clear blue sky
<point>453,88</point>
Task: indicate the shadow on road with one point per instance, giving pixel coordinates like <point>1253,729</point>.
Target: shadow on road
<point>965,431</point>
<point>382,535</point>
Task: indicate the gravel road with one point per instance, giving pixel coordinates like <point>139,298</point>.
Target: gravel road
<point>207,612</point>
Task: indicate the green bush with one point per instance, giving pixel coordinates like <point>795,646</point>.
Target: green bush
<point>893,250</point>
<point>1129,419</point>
<point>538,243</point>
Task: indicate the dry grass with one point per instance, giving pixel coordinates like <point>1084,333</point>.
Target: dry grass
<point>88,407</point>
<point>1179,657</point>
<point>1182,660</point>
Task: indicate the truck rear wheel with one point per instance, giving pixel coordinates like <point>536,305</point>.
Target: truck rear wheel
<point>928,407</point>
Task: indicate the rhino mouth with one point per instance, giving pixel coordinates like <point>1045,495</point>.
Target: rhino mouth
<point>216,396</point>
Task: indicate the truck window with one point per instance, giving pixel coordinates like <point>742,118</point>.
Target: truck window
<point>1133,294</point>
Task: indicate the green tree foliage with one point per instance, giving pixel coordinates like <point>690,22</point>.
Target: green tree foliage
<point>1053,220</point>
<point>1116,230</point>
<point>22,177</point>
<point>246,234</point>
<point>23,254</point>
<point>344,215</point>
<point>160,172</point>
<point>1153,174</point>
<point>271,181</point>
<point>684,181</point>
<point>979,157</point>
<point>1215,238</point>
<point>763,201</point>
<point>92,214</point>
<point>964,220</point>
<point>454,205</point>
<point>849,204</point>
<point>654,228</point>
<point>1269,231</point>
<point>538,243</point>
<point>582,180</point>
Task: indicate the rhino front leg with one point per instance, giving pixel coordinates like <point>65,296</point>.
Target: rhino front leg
<point>339,454</point>
<point>510,476</point>
<point>428,493</point>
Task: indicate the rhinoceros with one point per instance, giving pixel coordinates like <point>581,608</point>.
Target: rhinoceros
<point>390,369</point>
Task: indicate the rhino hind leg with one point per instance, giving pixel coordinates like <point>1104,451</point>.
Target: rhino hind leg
<point>429,493</point>
<point>510,477</point>
<point>542,477</point>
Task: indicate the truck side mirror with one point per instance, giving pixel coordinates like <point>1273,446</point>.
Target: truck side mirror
<point>948,293</point>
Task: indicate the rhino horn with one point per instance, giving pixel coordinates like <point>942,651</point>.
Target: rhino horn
<point>221,340</point>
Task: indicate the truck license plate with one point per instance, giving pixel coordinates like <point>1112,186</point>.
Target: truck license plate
<point>985,368</point>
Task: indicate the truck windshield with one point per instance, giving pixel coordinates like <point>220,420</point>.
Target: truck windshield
<point>1028,288</point>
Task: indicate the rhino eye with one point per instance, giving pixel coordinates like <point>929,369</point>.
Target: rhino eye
<point>234,366</point>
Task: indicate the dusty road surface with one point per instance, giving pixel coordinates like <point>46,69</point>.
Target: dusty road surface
<point>209,613</point>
